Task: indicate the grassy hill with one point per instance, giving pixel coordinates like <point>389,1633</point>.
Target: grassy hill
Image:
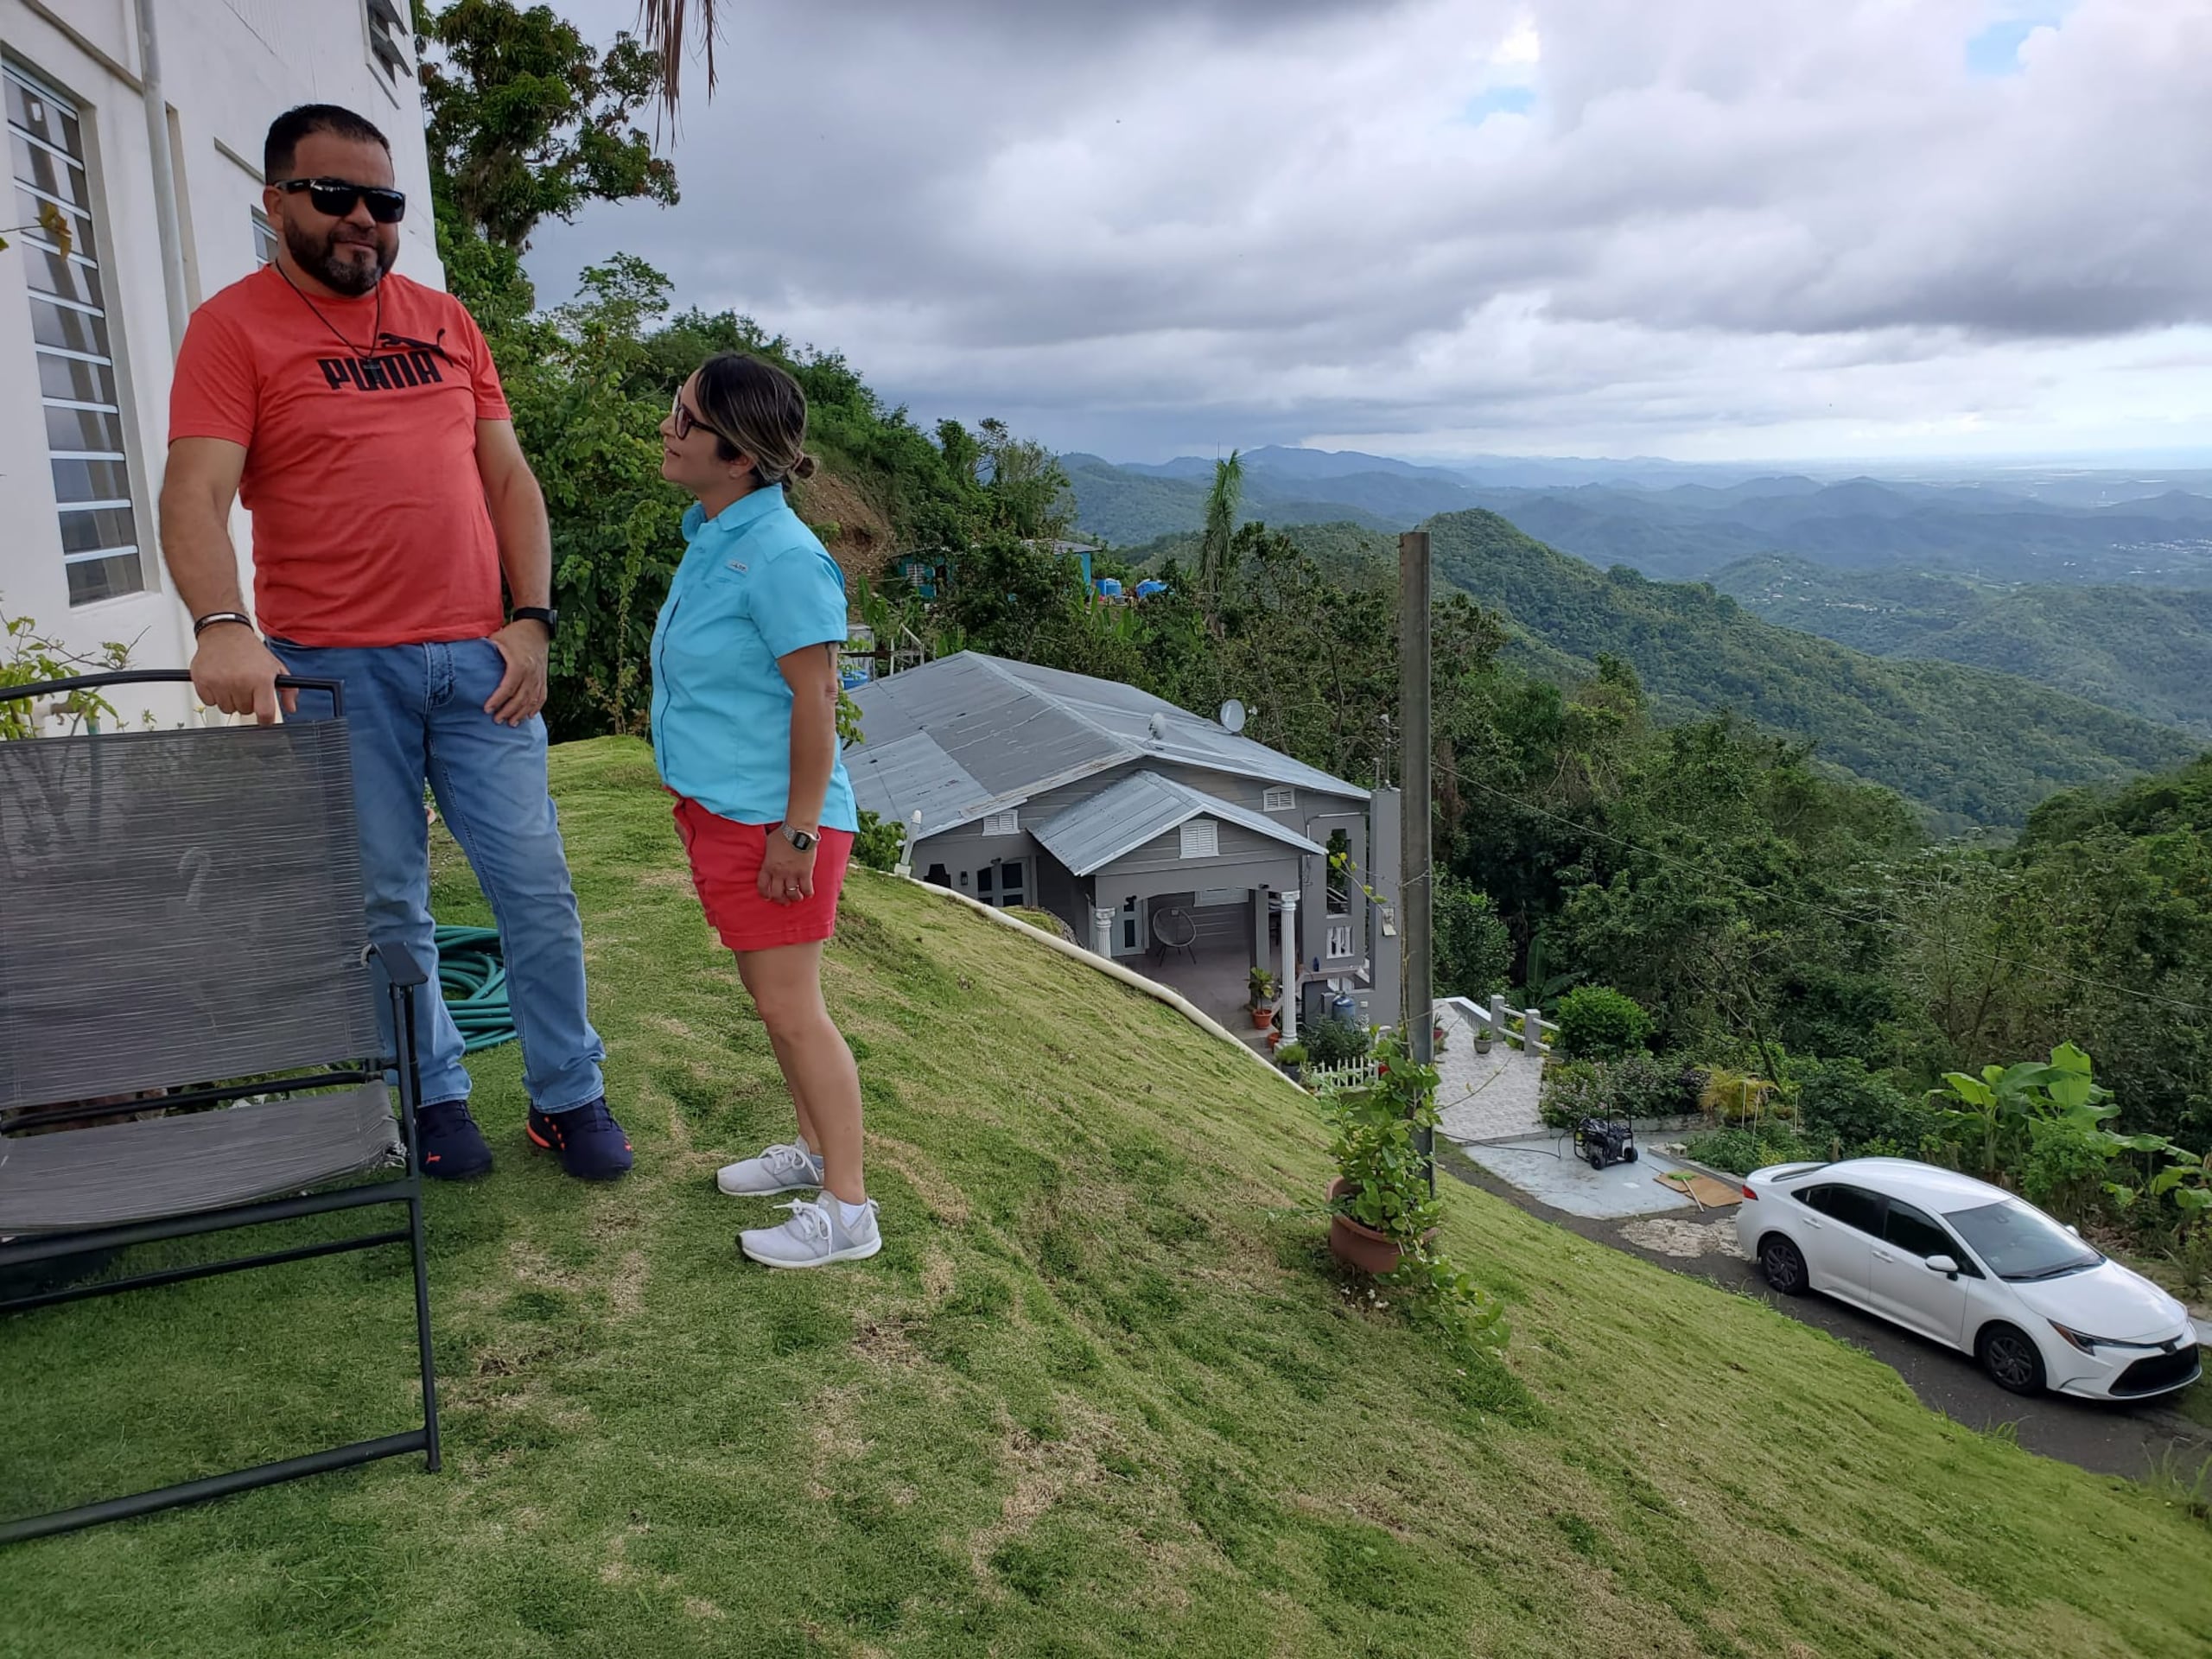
<point>2138,650</point>
<point>1972,746</point>
<point>1102,1394</point>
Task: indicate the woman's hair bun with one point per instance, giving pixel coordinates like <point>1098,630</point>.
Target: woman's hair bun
<point>804,468</point>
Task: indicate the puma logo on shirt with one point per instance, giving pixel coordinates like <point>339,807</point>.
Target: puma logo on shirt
<point>389,372</point>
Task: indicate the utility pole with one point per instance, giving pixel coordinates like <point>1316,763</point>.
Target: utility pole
<point>1416,811</point>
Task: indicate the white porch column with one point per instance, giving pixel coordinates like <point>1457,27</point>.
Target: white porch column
<point>1102,929</point>
<point>1288,1016</point>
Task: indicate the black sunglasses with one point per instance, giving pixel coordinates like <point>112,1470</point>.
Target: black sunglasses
<point>336,197</point>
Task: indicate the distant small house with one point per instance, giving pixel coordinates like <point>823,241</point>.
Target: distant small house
<point>929,574</point>
<point>1139,825</point>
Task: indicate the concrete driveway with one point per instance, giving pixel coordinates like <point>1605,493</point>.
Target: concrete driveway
<point>2105,1440</point>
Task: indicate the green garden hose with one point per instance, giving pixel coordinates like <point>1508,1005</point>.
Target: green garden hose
<point>473,978</point>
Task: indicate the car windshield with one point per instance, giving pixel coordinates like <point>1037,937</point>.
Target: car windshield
<point>2020,1243</point>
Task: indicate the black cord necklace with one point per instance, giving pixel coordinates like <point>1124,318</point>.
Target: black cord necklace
<point>376,331</point>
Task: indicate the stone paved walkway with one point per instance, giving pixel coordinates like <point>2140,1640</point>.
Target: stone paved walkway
<point>1485,1097</point>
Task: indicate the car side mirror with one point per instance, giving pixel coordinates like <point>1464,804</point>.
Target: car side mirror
<point>1944,1265</point>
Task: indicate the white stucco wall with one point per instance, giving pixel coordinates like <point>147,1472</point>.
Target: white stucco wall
<point>228,68</point>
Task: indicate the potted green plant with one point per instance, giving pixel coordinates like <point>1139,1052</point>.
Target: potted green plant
<point>1380,1202</point>
<point>1292,1058</point>
<point>1262,1001</point>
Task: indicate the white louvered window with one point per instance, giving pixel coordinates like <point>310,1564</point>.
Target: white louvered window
<point>265,240</point>
<point>1002,823</point>
<point>1280,798</point>
<point>1201,838</point>
<point>387,29</point>
<point>77,378</point>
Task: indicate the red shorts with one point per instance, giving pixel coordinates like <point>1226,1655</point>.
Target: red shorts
<point>726,868</point>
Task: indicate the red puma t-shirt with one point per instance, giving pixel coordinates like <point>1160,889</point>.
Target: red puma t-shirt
<point>369,522</point>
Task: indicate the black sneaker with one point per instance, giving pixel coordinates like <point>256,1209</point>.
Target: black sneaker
<point>592,1145</point>
<point>452,1146</point>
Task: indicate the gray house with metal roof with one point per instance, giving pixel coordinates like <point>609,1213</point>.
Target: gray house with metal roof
<point>1153,832</point>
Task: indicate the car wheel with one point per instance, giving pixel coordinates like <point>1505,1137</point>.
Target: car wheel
<point>2009,1357</point>
<point>1783,1267</point>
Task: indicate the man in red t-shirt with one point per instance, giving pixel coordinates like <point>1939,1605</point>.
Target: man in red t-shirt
<point>358,418</point>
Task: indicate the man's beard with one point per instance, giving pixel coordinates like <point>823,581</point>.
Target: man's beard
<point>318,258</point>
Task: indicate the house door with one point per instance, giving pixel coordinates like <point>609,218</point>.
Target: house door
<point>1002,885</point>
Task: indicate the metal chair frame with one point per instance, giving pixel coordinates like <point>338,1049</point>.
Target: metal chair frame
<point>404,975</point>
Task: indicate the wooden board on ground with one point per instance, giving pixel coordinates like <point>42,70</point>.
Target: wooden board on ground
<point>1709,1193</point>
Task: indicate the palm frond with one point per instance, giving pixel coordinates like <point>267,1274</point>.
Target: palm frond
<point>664,24</point>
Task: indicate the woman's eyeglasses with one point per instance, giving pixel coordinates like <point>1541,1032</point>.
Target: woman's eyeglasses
<point>336,197</point>
<point>680,412</point>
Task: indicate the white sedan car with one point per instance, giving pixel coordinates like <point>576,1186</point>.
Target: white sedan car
<point>1972,1267</point>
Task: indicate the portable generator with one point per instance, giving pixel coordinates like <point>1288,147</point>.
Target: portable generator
<point>1604,1143</point>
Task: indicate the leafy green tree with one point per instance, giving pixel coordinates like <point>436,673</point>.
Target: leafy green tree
<point>526,121</point>
<point>586,410</point>
<point>1474,953</point>
<point>1218,554</point>
<point>1597,1023</point>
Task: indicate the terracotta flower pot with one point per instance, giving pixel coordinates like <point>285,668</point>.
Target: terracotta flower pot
<point>1360,1246</point>
<point>1262,1017</point>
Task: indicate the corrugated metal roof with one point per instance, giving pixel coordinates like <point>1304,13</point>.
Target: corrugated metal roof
<point>1001,731</point>
<point>894,780</point>
<point>1128,714</point>
<point>1092,834</point>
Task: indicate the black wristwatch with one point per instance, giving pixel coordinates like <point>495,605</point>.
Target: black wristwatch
<point>546,614</point>
<point>800,839</point>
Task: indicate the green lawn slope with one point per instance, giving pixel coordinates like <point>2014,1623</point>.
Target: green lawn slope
<point>1102,1394</point>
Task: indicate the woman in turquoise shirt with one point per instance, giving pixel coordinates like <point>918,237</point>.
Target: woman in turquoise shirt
<point>745,734</point>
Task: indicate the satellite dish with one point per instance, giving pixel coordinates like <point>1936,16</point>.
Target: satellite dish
<point>1232,715</point>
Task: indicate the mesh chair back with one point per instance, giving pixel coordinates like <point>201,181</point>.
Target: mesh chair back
<point>178,907</point>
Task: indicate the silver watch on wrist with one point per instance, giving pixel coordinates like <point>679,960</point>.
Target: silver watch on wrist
<point>800,838</point>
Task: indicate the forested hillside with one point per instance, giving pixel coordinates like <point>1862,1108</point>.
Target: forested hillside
<point>1689,531</point>
<point>1125,507</point>
<point>2141,651</point>
<point>1971,745</point>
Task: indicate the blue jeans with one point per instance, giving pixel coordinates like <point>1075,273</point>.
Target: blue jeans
<point>415,713</point>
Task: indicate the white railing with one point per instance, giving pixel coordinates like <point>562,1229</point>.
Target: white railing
<point>1502,1024</point>
<point>1351,1074</point>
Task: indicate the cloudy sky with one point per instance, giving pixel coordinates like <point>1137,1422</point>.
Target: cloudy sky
<point>1703,229</point>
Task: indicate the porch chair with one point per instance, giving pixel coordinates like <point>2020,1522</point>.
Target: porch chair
<point>182,933</point>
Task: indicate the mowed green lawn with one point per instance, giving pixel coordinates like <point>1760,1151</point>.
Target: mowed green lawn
<point>1101,1393</point>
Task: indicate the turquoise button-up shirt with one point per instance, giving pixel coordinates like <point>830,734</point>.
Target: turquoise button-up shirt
<point>755,585</point>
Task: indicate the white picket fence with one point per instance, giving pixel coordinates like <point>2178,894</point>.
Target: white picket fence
<point>1351,1074</point>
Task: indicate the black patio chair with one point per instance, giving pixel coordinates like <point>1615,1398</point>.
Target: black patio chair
<point>181,934</point>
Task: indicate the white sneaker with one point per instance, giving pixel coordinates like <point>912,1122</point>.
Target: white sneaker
<point>779,1169</point>
<point>815,1236</point>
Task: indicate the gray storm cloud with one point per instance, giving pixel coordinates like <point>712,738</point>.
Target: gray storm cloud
<point>1599,223</point>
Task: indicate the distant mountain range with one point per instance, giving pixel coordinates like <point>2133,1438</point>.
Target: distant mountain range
<point>2036,528</point>
<point>1968,744</point>
<point>2143,651</point>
